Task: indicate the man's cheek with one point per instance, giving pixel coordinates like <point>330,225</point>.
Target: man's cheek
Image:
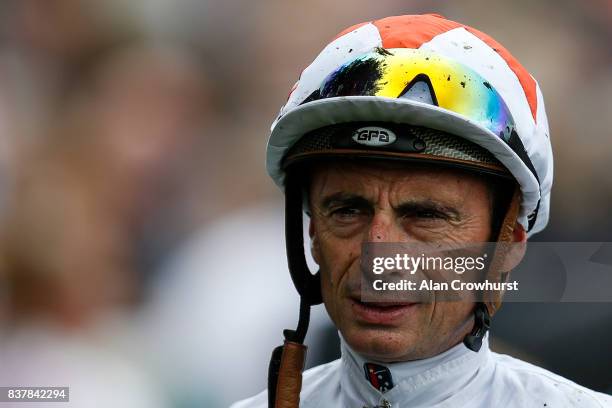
<point>475,228</point>
<point>339,262</point>
<point>332,271</point>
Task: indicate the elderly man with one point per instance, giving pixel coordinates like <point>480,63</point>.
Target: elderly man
<point>409,129</point>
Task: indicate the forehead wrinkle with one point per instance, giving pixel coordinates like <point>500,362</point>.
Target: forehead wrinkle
<point>395,183</point>
<point>348,179</point>
<point>425,189</point>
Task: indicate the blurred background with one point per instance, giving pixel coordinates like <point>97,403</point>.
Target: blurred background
<point>141,243</point>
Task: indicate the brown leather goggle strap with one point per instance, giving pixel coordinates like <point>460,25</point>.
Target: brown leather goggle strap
<point>506,232</point>
<point>289,383</point>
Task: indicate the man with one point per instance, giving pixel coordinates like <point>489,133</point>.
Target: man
<point>410,129</point>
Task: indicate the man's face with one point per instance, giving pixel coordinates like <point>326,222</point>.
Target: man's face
<point>356,203</point>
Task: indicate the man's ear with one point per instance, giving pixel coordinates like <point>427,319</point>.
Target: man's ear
<point>314,242</point>
<point>519,234</point>
<point>515,250</point>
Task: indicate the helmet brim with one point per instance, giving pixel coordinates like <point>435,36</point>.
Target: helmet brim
<point>288,129</point>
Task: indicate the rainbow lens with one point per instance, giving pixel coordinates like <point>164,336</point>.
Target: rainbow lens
<point>421,76</point>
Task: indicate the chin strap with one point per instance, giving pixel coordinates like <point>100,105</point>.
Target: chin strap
<point>482,323</point>
<point>287,362</point>
<point>483,311</point>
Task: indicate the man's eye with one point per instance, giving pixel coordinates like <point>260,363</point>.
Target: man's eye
<point>429,214</point>
<point>432,215</point>
<point>346,212</point>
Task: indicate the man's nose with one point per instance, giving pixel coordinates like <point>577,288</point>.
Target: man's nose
<point>383,228</point>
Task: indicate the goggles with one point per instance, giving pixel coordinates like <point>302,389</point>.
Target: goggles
<point>421,76</point>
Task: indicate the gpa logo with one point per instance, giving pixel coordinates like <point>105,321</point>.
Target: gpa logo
<point>374,136</point>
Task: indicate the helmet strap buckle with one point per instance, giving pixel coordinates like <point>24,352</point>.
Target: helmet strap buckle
<point>482,323</point>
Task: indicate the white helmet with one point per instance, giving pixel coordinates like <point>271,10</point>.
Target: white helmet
<point>427,71</point>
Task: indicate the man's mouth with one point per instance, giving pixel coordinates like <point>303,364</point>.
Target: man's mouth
<point>381,312</point>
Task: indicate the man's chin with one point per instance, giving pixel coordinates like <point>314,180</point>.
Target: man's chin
<point>382,344</point>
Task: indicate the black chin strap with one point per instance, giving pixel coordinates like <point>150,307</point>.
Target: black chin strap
<point>482,323</point>
<point>299,334</point>
<point>307,284</point>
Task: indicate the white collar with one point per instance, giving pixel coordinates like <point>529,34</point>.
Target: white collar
<point>419,383</point>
